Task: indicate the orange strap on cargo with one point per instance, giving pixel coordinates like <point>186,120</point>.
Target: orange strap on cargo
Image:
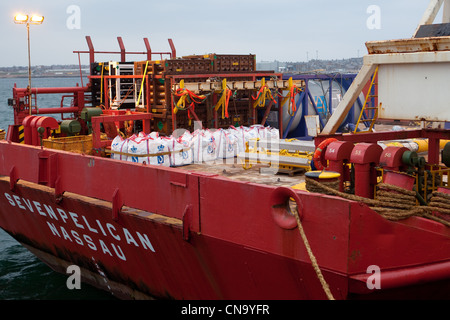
<point>263,94</point>
<point>293,90</point>
<point>188,95</point>
<point>318,153</point>
<point>224,99</point>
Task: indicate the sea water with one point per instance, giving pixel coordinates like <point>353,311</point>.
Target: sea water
<point>22,275</point>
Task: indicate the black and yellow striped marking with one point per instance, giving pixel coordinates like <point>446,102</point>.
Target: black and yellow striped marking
<point>21,135</point>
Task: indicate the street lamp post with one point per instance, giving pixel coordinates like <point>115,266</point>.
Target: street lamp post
<point>25,19</point>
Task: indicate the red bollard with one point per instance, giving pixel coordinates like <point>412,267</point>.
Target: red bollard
<point>391,158</point>
<point>48,123</point>
<point>365,157</point>
<point>27,130</point>
<point>338,155</point>
<point>34,133</point>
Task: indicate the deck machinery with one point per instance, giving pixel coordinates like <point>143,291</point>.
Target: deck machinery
<point>198,91</point>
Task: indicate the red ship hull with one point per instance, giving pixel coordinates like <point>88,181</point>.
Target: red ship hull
<point>149,232</point>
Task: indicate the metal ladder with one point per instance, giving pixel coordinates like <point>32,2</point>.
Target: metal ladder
<point>365,107</point>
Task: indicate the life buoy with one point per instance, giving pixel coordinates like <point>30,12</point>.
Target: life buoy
<point>317,157</point>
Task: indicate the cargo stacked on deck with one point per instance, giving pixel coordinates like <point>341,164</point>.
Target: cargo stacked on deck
<point>234,63</point>
<point>97,69</point>
<point>121,90</point>
<point>153,94</point>
<point>158,97</point>
<point>187,66</point>
<point>227,62</point>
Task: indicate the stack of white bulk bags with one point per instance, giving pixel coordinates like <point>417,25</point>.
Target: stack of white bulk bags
<point>203,145</point>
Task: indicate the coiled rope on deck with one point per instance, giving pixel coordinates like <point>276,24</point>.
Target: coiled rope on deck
<point>440,202</point>
<point>315,188</point>
<point>402,208</point>
<point>395,203</point>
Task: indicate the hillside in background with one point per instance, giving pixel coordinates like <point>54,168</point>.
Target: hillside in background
<point>351,65</point>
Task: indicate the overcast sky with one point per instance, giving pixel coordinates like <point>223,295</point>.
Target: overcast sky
<point>283,30</point>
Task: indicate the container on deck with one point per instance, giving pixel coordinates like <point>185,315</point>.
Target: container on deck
<point>80,144</point>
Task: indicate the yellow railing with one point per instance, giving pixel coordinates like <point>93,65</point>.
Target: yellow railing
<point>433,178</point>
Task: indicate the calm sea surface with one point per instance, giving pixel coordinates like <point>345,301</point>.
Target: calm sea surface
<point>22,275</point>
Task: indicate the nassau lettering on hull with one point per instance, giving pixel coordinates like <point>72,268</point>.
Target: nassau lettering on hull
<point>97,236</point>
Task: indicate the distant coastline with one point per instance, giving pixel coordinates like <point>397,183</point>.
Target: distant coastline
<point>350,65</point>
<point>15,76</point>
<point>53,71</point>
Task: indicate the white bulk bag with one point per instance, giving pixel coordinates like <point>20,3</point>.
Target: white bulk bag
<point>204,146</point>
<point>180,152</point>
<point>226,144</point>
<point>239,134</point>
<point>119,145</point>
<point>159,145</point>
<point>137,147</point>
